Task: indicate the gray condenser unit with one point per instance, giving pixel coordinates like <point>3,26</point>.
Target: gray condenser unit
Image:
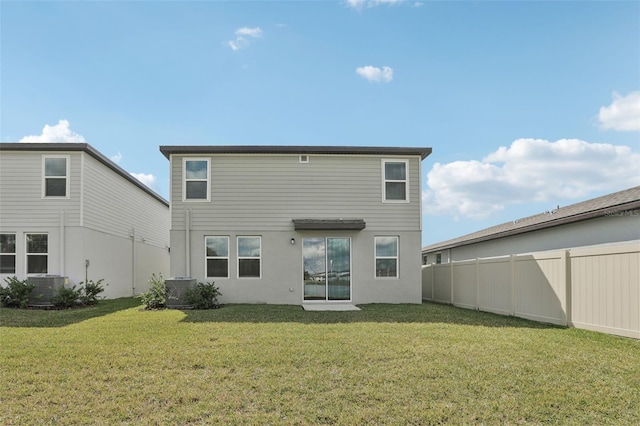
<point>176,290</point>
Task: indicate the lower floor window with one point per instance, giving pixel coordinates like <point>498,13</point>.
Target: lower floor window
<point>37,253</point>
<point>249,257</point>
<point>217,257</point>
<point>7,253</point>
<point>386,256</point>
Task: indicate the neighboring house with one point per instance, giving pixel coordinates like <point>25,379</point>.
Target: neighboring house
<point>294,225</point>
<point>67,210</point>
<point>611,218</point>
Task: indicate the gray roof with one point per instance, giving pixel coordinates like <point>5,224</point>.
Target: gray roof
<point>303,150</point>
<point>617,202</point>
<point>84,147</point>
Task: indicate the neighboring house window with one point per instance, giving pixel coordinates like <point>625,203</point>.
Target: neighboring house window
<point>424,259</point>
<point>37,253</point>
<point>386,257</point>
<point>396,182</point>
<point>438,257</point>
<point>55,176</point>
<point>7,253</point>
<point>217,257</point>
<point>196,179</point>
<point>249,257</point>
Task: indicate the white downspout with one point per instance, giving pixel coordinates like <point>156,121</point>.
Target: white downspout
<point>187,240</point>
<point>133,261</point>
<point>62,242</point>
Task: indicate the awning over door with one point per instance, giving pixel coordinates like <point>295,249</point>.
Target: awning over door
<point>329,224</point>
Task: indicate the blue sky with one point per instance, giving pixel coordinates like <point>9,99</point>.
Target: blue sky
<point>527,105</point>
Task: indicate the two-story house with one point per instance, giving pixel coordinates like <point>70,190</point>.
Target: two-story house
<point>67,210</point>
<point>298,224</point>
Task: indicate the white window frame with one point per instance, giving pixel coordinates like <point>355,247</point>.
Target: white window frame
<point>45,177</point>
<point>304,158</point>
<point>27,254</point>
<point>207,180</point>
<point>206,258</point>
<point>248,257</point>
<point>14,253</point>
<point>376,257</point>
<point>385,180</point>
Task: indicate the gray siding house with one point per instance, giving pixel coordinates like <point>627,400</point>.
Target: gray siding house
<point>612,218</point>
<point>298,225</point>
<point>67,210</point>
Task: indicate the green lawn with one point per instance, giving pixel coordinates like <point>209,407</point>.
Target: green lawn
<point>265,364</point>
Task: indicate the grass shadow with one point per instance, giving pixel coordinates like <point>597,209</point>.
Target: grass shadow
<point>381,313</point>
<point>35,317</point>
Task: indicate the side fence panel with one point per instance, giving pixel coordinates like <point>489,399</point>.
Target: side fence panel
<point>465,284</point>
<point>594,288</point>
<point>442,283</point>
<point>494,288</point>
<point>540,287</point>
<point>427,282</point>
<point>605,291</point>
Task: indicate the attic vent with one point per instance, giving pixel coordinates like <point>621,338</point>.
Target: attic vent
<point>304,158</point>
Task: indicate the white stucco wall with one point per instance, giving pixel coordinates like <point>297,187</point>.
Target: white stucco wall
<point>282,272</point>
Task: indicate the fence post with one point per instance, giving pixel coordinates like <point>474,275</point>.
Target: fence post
<point>568,284</point>
<point>477,283</point>
<point>433,284</point>
<point>451,263</point>
<point>512,264</point>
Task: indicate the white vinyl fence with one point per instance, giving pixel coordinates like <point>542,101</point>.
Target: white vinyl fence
<point>594,288</point>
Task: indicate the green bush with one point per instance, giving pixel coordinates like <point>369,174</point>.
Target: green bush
<point>17,293</point>
<point>203,296</point>
<point>156,297</point>
<point>67,297</point>
<point>90,291</point>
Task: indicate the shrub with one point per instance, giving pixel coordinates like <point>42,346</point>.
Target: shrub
<point>17,293</point>
<point>203,296</point>
<point>67,297</point>
<point>90,291</point>
<point>156,297</point>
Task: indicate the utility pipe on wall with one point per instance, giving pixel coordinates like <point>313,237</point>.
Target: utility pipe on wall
<point>62,242</point>
<point>133,261</point>
<point>187,242</point>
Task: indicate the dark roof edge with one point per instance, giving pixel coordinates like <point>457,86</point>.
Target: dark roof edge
<point>167,150</point>
<point>601,212</point>
<point>85,147</point>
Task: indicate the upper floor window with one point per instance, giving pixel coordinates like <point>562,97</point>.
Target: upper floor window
<point>7,253</point>
<point>395,180</point>
<point>55,176</point>
<point>196,179</point>
<point>37,253</point>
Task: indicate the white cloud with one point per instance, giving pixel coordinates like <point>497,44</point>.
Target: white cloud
<point>251,32</point>
<point>378,75</point>
<point>622,114</point>
<point>530,170</point>
<point>243,37</point>
<point>116,158</point>
<point>58,133</point>
<point>359,4</point>
<point>147,179</point>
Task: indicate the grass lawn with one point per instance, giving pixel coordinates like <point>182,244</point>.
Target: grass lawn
<point>266,364</point>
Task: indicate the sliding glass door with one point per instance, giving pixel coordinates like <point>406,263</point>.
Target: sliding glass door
<point>327,268</point>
